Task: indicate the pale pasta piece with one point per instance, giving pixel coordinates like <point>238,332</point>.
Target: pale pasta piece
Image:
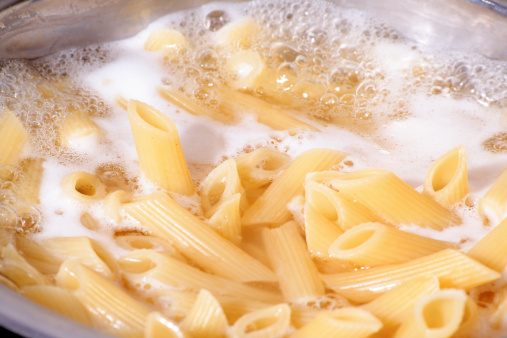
<point>469,320</point>
<point>136,242</point>
<point>59,300</point>
<point>493,205</point>
<point>147,268</point>
<point>170,40</point>
<point>393,307</point>
<point>446,180</point>
<point>437,315</point>
<point>18,270</point>
<point>13,138</point>
<point>83,187</point>
<point>161,215</point>
<point>107,304</point>
<point>498,318</point>
<point>491,250</point>
<point>375,244</point>
<point>75,126</point>
<point>392,199</point>
<point>220,184</point>
<point>206,318</point>
<point>227,219</point>
<point>273,321</point>
<point>319,231</point>
<point>335,207</point>
<point>158,148</point>
<point>8,283</point>
<point>89,222</point>
<point>452,268</point>
<point>271,207</point>
<point>113,202</point>
<point>28,189</point>
<point>348,322</point>
<point>237,35</point>
<point>157,326</point>
<point>122,102</point>
<point>297,275</point>
<point>261,166</point>
<point>305,311</point>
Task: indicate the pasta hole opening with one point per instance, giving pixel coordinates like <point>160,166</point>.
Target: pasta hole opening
<point>445,172</point>
<point>439,312</point>
<point>136,264</point>
<point>261,324</point>
<point>84,187</point>
<point>215,191</point>
<point>355,239</point>
<point>140,243</point>
<point>152,118</point>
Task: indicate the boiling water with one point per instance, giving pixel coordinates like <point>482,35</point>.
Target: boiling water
<point>381,98</point>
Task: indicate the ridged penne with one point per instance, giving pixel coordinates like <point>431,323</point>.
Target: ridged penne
<point>75,126</point>
<point>17,269</point>
<point>348,322</point>
<point>158,326</point>
<point>28,189</point>
<point>220,184</point>
<point>147,268</point>
<point>226,219</point>
<point>13,138</point>
<point>437,315</point>
<point>493,205</point>
<point>261,166</point>
<point>161,215</point>
<point>320,232</point>
<point>273,321</point>
<point>395,306</point>
<point>491,250</point>
<point>374,244</point>
<point>271,207</point>
<point>393,200</point>
<point>452,268</point>
<point>237,35</point>
<point>335,207</point>
<point>83,187</point>
<point>167,39</point>
<point>107,304</point>
<point>89,222</point>
<point>446,180</point>
<point>206,318</point>
<point>158,148</point>
<point>297,275</point>
<point>58,300</point>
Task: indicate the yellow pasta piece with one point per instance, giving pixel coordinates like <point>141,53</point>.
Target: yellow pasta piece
<point>261,166</point>
<point>297,275</point>
<point>392,199</point>
<point>320,232</point>
<point>237,35</point>
<point>59,300</point>
<point>89,222</point>
<point>452,268</point>
<point>493,205</point>
<point>227,219</point>
<point>147,268</point>
<point>113,202</point>
<point>108,306</point>
<point>75,126</point>
<point>271,207</point>
<point>220,184</point>
<point>374,244</point>
<point>13,138</point>
<point>83,187</point>
<point>491,250</point>
<point>394,307</point>
<point>18,270</point>
<point>469,320</point>
<point>446,181</point>
<point>167,39</point>
<point>244,70</point>
<point>29,187</point>
<point>158,148</point>
<point>167,219</point>
<point>335,207</point>
<point>499,315</point>
<point>136,242</point>
<point>437,315</point>
<point>157,326</point>
<point>269,322</point>
<point>346,322</point>
<point>206,318</point>
<point>303,313</point>
<point>122,102</point>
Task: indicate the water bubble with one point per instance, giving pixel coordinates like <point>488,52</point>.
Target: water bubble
<point>202,93</point>
<point>329,100</point>
<point>316,36</point>
<point>208,59</point>
<point>366,89</point>
<point>216,20</point>
<point>309,88</point>
<point>301,61</point>
<point>8,215</point>
<point>284,52</point>
<point>286,75</point>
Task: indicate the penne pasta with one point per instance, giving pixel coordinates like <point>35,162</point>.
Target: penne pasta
<point>490,250</point>
<point>113,202</point>
<point>297,275</point>
<point>76,126</point>
<point>32,170</point>
<point>157,326</point>
<point>167,39</point>
<point>394,201</point>
<point>13,138</point>
<point>227,219</point>
<point>375,244</point>
<point>83,187</point>
<point>446,181</point>
<point>493,205</point>
<point>269,322</point>
<point>165,218</point>
<point>452,268</point>
<point>320,232</point>
<point>237,35</point>
<point>16,268</point>
<point>206,317</point>
<point>158,148</point>
<point>270,207</point>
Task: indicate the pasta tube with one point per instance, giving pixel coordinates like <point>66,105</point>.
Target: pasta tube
<point>167,39</point>
<point>75,126</point>
<point>269,322</point>
<point>83,187</point>
<point>157,326</point>
<point>206,318</point>
<point>29,188</point>
<point>490,250</point>
<point>13,138</point>
<point>493,205</point>
<point>319,231</point>
<point>261,166</point>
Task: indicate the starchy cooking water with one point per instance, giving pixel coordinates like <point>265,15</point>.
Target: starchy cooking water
<point>383,99</point>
